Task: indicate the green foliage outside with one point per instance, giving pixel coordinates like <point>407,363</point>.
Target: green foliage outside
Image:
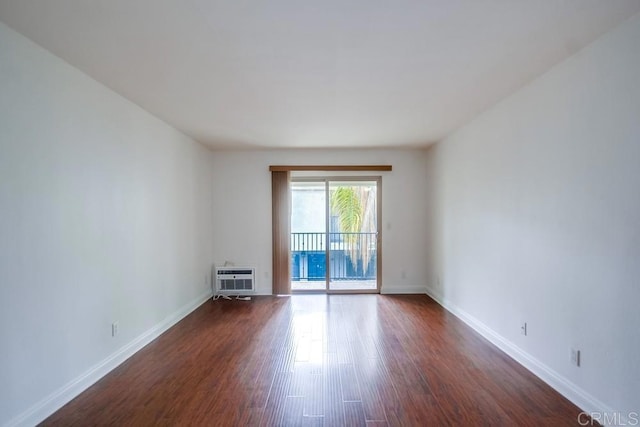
<point>356,211</point>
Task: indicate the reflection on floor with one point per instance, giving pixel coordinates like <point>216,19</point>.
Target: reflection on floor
<point>338,285</point>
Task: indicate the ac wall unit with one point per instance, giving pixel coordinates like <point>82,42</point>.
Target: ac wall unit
<point>235,280</point>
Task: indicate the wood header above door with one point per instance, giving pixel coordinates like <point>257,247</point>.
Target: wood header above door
<point>376,168</point>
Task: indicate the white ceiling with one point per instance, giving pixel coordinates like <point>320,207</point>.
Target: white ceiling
<point>314,73</point>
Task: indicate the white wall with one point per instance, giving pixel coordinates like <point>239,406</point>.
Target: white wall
<point>104,216</point>
<point>242,217</point>
<point>535,216</point>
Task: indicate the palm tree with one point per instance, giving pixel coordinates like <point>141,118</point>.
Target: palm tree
<point>355,207</point>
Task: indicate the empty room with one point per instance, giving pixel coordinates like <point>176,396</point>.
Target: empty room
<point>320,213</point>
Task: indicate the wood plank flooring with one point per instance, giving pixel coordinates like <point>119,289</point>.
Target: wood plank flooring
<point>319,360</point>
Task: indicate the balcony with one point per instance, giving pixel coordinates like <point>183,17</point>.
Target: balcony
<point>352,259</point>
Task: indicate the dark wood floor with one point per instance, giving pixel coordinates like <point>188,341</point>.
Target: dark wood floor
<point>319,360</point>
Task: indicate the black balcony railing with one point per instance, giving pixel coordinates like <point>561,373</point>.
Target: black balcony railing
<point>352,256</point>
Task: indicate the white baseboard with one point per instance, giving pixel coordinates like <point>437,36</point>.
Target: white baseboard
<point>47,406</point>
<point>581,398</point>
<point>388,290</point>
<point>262,293</point>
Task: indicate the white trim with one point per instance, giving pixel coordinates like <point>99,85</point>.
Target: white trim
<point>561,384</point>
<point>47,406</point>
<point>388,290</point>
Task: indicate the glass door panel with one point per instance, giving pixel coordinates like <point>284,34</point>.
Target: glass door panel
<point>353,235</point>
<point>308,236</point>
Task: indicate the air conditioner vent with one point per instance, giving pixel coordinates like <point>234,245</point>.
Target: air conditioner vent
<point>235,280</point>
<point>228,272</point>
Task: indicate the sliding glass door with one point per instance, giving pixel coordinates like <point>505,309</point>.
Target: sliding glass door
<point>353,235</point>
<point>308,236</point>
<point>335,235</point>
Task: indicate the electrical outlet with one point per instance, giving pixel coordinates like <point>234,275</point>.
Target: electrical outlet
<point>575,357</point>
<point>523,328</point>
<point>114,328</point>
